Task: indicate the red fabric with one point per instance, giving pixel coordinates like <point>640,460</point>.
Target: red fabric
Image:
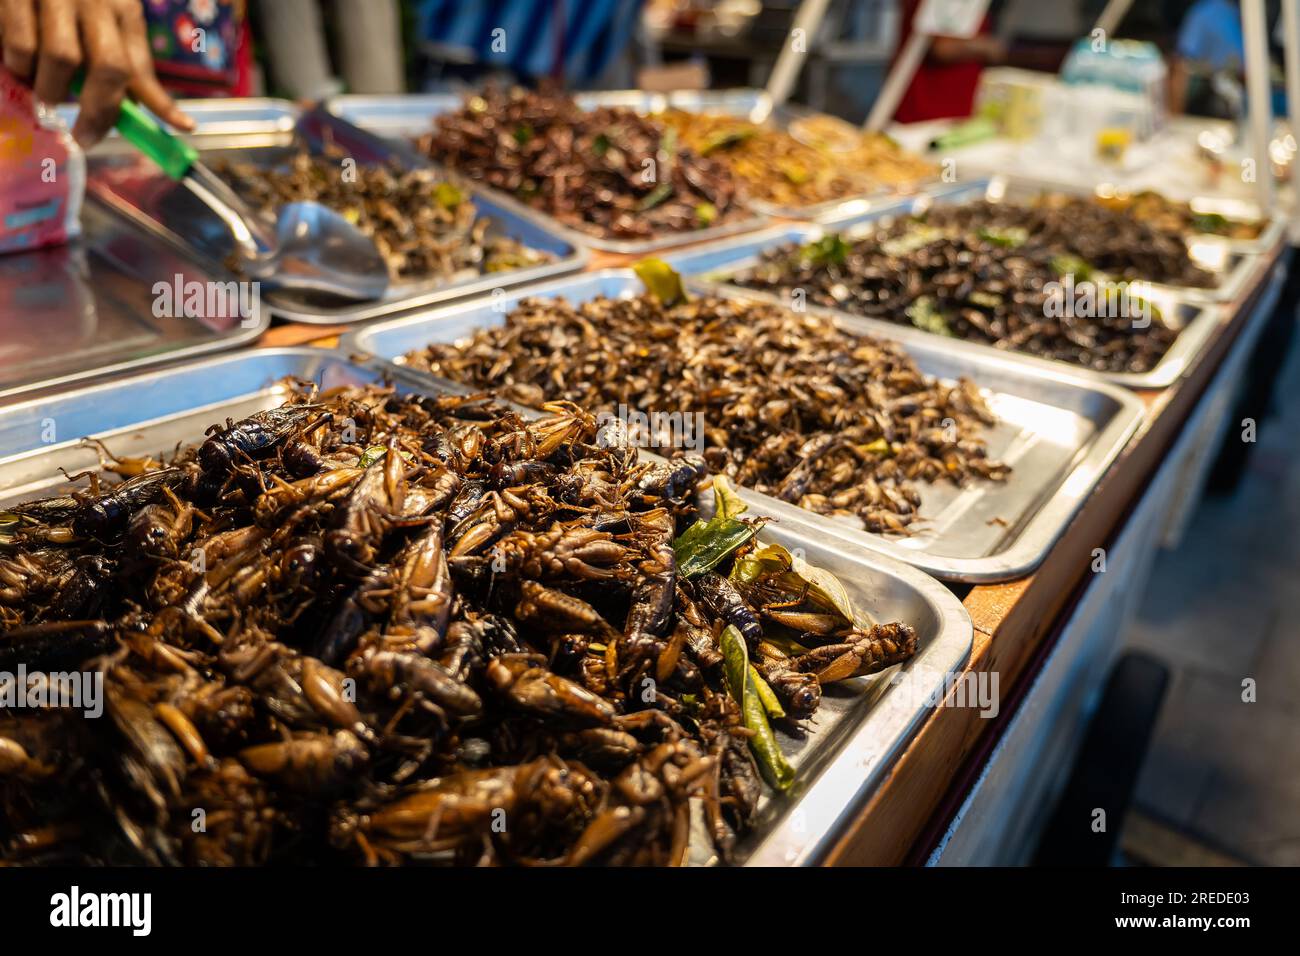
<point>938,90</point>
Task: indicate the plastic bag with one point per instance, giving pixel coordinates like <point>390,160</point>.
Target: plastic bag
<point>42,172</point>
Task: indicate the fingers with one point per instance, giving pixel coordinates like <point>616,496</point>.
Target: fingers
<point>144,82</point>
<point>60,50</point>
<point>107,74</point>
<point>18,31</point>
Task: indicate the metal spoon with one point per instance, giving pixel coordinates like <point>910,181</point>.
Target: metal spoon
<point>312,247</point>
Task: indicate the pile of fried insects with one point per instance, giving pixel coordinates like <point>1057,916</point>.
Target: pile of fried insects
<point>373,627</point>
<point>792,404</point>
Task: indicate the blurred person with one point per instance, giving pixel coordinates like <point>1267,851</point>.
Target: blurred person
<point>945,82</point>
<point>367,48</point>
<point>217,62</point>
<point>1209,42</point>
<point>569,40</point>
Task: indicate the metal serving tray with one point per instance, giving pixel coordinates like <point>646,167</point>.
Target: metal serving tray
<point>713,265</point>
<point>132,187</point>
<point>407,117</point>
<point>1058,432</point>
<point>862,725</point>
<point>402,118</point>
<point>88,309</point>
<point>1271,233</point>
<point>218,120</point>
<point>756,105</point>
<point>1233,266</point>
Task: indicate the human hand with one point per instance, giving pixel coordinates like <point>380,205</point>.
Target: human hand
<point>45,43</point>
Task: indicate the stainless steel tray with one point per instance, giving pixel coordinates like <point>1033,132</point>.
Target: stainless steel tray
<point>1271,233</point>
<point>128,184</point>
<point>712,265</point>
<point>409,115</point>
<point>406,117</point>
<point>756,105</point>
<point>72,313</point>
<point>218,120</point>
<point>862,725</point>
<point>1059,432</point>
<point>1233,266</point>
<point>402,118</point>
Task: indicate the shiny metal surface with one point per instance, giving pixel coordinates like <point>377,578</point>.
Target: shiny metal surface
<point>312,249</point>
<point>712,265</point>
<point>1058,431</point>
<point>129,185</point>
<point>1274,226</point>
<point>402,118</point>
<point>73,313</point>
<point>218,120</point>
<point>862,726</point>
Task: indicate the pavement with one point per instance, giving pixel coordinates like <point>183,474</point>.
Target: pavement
<point>1221,780</point>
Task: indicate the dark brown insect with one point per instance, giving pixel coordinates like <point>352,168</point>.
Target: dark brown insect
<point>443,613</point>
<point>996,273</point>
<point>608,171</point>
<point>786,403</point>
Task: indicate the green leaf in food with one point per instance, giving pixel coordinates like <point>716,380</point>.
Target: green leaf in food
<point>918,237</point>
<point>986,299</point>
<point>1211,222</point>
<point>507,261</point>
<point>1141,304</point>
<point>655,197</point>
<point>794,173</point>
<point>725,139</point>
<point>924,315</point>
<point>766,694</point>
<point>726,502</point>
<point>1015,236</point>
<point>523,134</point>
<point>793,572</point>
<point>600,145</point>
<point>831,250</point>
<point>767,752</point>
<point>706,544</point>
<point>769,559</point>
<point>661,280</point>
<point>448,195</point>
<point>1066,265</point>
<point>371,455</point>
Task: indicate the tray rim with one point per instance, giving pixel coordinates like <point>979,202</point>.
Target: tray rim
<point>242,336</point>
<point>786,842</point>
<point>1174,365</point>
<point>335,105</point>
<point>348,105</point>
<point>1021,555</point>
<point>415,298</point>
<point>1235,280</point>
<point>1273,224</point>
